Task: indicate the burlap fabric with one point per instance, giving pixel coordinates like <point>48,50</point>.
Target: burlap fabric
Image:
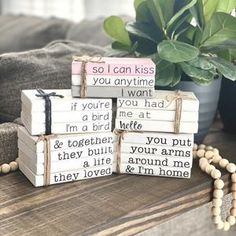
<point>47,68</point>
<point>8,142</point>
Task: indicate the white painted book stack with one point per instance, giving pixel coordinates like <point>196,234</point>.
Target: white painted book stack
<point>64,139</point>
<point>113,77</point>
<point>155,135</point>
<point>68,114</point>
<point>72,157</point>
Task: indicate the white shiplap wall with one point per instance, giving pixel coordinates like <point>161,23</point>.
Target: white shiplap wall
<point>75,10</point>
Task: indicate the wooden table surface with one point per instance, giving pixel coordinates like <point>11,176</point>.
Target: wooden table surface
<point>115,205</point>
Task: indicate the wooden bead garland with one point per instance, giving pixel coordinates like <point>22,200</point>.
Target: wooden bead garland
<point>207,157</point>
<point>12,166</point>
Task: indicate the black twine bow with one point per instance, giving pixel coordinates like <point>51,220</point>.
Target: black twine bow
<point>48,108</point>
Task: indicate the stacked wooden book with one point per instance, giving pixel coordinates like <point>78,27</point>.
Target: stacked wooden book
<point>67,133</point>
<point>74,139</point>
<point>113,77</point>
<point>155,136</point>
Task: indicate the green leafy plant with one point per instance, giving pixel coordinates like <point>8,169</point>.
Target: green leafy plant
<point>187,39</point>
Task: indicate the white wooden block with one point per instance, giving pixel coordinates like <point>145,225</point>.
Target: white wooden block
<point>66,176</point>
<point>155,171</point>
<point>159,102</point>
<point>114,92</point>
<point>113,81</point>
<point>158,115</point>
<point>158,139</point>
<point>158,126</point>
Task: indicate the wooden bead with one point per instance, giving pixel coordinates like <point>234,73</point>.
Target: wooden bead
<point>194,154</point>
<point>217,202</point>
<point>195,147</point>
<point>17,160</point>
<point>234,194</point>
<point>231,167</point>
<point>209,154</point>
<point>201,146</point>
<point>226,226</point>
<point>5,168</point>
<point>233,188</point>
<point>209,148</point>
<point>13,165</point>
<point>233,178</point>
<point>223,163</point>
<point>203,166</point>
<point>216,151</point>
<point>201,153</point>
<point>233,203</point>
<point>203,160</point>
<point>216,219</point>
<point>209,169</point>
<point>233,212</point>
<point>215,174</point>
<point>219,184</point>
<point>216,159</point>
<point>215,211</point>
<point>231,220</point>
<point>218,193</point>
<point>220,225</point>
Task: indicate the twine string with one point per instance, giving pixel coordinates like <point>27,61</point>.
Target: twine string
<point>178,98</point>
<point>48,108</point>
<point>84,60</point>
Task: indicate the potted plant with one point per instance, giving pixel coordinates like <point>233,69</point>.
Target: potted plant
<point>227,102</point>
<point>187,40</point>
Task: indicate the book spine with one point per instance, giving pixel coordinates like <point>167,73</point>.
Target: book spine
<point>62,117</point>
<point>158,126</point>
<point>152,150</point>
<point>115,92</point>
<point>148,160</point>
<point>113,81</point>
<point>162,115</point>
<point>154,171</point>
<point>156,103</point>
<point>159,139</point>
<point>116,69</point>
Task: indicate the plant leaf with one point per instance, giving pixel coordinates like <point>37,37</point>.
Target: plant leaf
<point>202,77</point>
<point>177,76</point>
<point>190,4</point>
<point>220,31</point>
<point>165,73</point>
<point>142,12</point>
<point>114,26</point>
<point>144,30</point>
<point>175,51</point>
<point>155,9</point>
<point>212,6</point>
<point>226,68</point>
<point>197,13</point>
<point>202,63</point>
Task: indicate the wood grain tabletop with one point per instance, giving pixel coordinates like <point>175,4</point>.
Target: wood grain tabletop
<point>115,205</point>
